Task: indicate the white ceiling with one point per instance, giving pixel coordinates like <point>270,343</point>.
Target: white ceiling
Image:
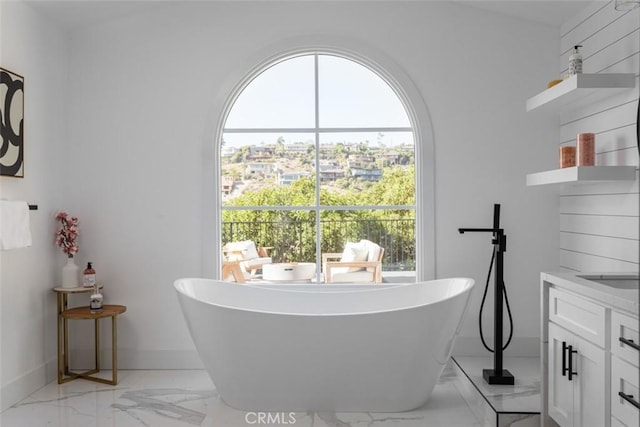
<point>78,13</point>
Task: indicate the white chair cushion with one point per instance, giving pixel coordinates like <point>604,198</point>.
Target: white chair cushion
<point>353,252</point>
<point>358,276</point>
<point>247,247</point>
<point>373,251</point>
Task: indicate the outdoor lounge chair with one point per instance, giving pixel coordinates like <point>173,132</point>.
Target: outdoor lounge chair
<point>359,262</point>
<point>249,257</point>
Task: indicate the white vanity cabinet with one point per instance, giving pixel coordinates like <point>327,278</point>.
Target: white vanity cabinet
<point>577,366</point>
<point>590,354</point>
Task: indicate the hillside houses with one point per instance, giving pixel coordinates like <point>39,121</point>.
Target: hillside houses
<point>331,171</point>
<point>297,148</point>
<point>286,178</point>
<point>260,169</point>
<point>283,164</point>
<point>371,175</point>
<point>227,185</point>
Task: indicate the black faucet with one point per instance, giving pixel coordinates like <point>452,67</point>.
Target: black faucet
<point>497,375</point>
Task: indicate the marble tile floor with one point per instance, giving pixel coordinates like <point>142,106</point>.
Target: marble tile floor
<point>186,398</point>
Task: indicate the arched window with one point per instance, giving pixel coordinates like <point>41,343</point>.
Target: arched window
<point>318,150</point>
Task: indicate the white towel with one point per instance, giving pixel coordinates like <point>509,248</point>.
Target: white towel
<point>14,225</point>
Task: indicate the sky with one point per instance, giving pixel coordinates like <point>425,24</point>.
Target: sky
<point>350,96</point>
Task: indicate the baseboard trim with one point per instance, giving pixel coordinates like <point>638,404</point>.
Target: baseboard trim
<point>23,386</point>
<point>18,389</point>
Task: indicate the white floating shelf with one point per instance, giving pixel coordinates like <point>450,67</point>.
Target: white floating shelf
<point>581,174</point>
<point>578,86</point>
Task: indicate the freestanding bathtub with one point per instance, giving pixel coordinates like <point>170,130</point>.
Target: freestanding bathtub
<point>342,348</point>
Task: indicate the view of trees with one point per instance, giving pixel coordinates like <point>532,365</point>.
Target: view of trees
<point>292,233</point>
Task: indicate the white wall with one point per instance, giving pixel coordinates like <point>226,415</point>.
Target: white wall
<point>599,222</point>
<point>36,49</point>
<point>141,90</point>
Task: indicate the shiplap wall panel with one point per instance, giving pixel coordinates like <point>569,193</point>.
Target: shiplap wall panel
<point>628,65</point>
<point>621,138</point>
<point>601,204</point>
<point>623,157</point>
<point>570,24</point>
<point>600,51</point>
<point>585,262</point>
<point>614,226</point>
<point>611,32</point>
<point>624,249</point>
<point>586,25</point>
<point>599,222</point>
<point>617,98</point>
<point>615,54</point>
<point>612,118</point>
<point>607,187</point>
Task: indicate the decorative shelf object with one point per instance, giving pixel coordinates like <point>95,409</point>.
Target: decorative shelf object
<point>580,86</point>
<point>578,174</point>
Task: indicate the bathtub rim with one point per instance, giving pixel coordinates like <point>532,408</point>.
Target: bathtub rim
<point>369,288</point>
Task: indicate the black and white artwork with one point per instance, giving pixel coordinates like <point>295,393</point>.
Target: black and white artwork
<point>12,124</point>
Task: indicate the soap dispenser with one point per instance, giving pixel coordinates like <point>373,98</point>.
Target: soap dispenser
<point>575,61</point>
<point>95,301</point>
<point>89,276</point>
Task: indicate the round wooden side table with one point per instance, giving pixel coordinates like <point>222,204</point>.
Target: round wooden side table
<point>84,313</point>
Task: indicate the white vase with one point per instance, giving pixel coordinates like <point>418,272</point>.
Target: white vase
<point>70,274</point>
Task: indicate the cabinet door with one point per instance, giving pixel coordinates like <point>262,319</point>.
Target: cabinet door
<point>590,386</point>
<point>560,388</point>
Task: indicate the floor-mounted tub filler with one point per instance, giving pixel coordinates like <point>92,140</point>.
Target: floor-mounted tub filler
<point>342,348</point>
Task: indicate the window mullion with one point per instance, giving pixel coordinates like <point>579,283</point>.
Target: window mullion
<point>317,166</point>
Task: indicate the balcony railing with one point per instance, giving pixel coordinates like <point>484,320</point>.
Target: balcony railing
<point>296,240</point>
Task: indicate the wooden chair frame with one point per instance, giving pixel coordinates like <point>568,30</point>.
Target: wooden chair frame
<point>327,266</point>
<point>237,257</point>
<point>232,268</point>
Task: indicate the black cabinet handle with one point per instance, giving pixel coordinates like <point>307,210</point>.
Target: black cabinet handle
<point>630,343</point>
<point>629,398</point>
<point>570,353</point>
<point>564,358</point>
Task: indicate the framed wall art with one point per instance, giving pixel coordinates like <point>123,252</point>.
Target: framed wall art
<point>12,124</point>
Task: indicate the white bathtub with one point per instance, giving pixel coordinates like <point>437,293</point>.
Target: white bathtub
<point>343,348</point>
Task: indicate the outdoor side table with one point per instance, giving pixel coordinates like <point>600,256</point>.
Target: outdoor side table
<point>84,313</point>
<point>289,271</point>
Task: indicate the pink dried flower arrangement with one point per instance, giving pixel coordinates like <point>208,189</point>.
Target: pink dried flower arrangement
<point>67,235</point>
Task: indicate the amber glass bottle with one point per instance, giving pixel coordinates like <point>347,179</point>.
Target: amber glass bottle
<point>89,276</point>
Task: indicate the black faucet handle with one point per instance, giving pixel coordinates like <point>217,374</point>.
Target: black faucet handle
<point>479,230</point>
